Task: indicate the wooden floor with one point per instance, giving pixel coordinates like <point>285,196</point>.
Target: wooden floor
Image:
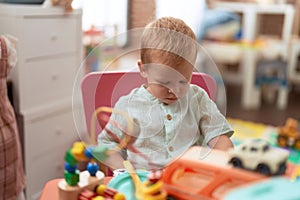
<point>268,113</point>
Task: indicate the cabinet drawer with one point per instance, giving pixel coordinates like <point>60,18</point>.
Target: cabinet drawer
<point>42,36</point>
<point>45,168</point>
<point>46,141</point>
<point>47,81</point>
<point>45,134</point>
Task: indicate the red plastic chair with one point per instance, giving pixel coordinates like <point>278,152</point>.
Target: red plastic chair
<point>105,88</point>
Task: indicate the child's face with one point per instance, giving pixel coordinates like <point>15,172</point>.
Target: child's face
<point>166,83</point>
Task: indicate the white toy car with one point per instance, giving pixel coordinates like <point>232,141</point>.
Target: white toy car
<point>257,155</point>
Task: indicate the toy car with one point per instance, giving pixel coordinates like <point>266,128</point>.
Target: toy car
<point>258,155</point>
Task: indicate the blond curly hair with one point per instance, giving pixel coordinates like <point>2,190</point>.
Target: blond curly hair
<point>170,41</point>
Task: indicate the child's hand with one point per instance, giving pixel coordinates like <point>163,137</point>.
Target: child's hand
<point>221,142</point>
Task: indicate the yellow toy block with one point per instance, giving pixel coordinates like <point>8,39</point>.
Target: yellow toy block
<point>78,151</point>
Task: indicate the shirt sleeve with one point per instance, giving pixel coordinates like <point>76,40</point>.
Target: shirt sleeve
<point>110,135</point>
<point>212,122</point>
<point>114,130</point>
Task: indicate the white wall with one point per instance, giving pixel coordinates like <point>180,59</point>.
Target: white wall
<point>190,11</point>
<point>103,13</point>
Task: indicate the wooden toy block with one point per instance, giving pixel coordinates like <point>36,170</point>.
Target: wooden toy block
<point>87,182</point>
<point>70,158</point>
<point>78,150</point>
<point>92,168</point>
<point>98,198</point>
<point>109,193</point>
<point>72,178</point>
<point>100,189</point>
<point>87,195</point>
<point>88,152</point>
<point>70,168</point>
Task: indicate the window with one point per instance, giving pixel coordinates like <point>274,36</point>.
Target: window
<point>104,15</point>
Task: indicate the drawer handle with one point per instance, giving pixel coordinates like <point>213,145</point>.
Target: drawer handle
<point>54,77</point>
<point>58,131</point>
<point>53,36</point>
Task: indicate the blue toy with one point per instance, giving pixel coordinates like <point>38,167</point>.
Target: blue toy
<point>274,188</point>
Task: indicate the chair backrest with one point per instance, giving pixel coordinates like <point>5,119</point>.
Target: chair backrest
<point>104,89</point>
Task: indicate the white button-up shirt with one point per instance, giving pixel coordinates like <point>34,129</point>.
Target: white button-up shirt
<point>163,132</point>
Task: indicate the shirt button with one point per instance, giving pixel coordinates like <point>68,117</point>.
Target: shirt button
<point>169,117</point>
<point>171,148</point>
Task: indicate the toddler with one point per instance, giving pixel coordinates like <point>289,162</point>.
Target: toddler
<point>170,114</point>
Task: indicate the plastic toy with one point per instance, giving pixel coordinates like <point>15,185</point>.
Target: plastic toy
<point>124,183</point>
<point>257,155</point>
<point>275,188</point>
<point>205,174</point>
<point>289,135</point>
<point>150,189</point>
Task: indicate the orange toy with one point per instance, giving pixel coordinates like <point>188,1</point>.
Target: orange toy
<point>202,173</point>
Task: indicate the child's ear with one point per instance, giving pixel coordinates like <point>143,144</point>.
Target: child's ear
<point>142,69</point>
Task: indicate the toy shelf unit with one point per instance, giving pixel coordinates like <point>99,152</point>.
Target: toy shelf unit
<point>255,47</point>
<point>294,62</point>
<point>101,47</point>
<point>49,53</point>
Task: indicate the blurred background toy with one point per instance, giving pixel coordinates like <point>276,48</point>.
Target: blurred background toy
<point>289,135</point>
<point>67,4</point>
